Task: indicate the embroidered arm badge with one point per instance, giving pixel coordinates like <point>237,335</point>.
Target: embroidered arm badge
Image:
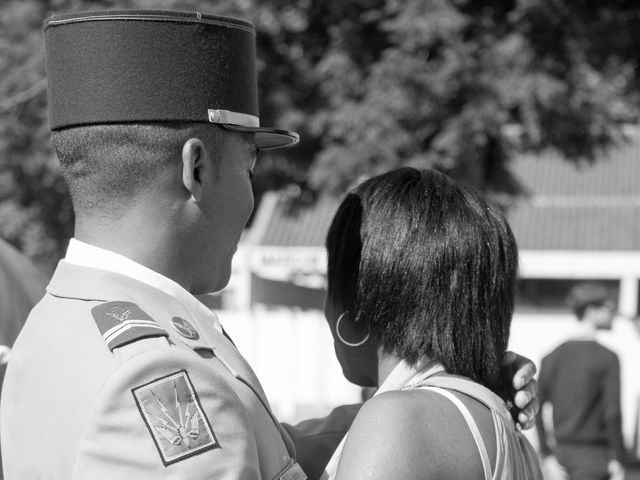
<point>174,417</point>
<point>124,322</point>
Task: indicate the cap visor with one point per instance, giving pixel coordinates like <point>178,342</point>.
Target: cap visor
<point>268,138</point>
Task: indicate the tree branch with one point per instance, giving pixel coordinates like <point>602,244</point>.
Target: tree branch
<point>24,96</point>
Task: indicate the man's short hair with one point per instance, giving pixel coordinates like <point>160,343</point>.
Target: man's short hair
<point>586,294</point>
<point>107,166</point>
<point>428,265</point>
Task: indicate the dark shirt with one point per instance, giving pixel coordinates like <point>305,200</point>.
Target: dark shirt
<point>581,380</point>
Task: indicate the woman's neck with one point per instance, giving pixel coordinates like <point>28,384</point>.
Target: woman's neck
<point>387,363</point>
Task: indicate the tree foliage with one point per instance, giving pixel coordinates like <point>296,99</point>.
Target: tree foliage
<point>459,85</point>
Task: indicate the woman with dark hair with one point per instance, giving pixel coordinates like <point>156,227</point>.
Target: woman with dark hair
<point>421,279</point>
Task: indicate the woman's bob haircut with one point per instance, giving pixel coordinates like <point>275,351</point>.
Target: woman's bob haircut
<point>428,266</point>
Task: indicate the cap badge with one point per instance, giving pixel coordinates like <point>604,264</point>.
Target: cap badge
<point>184,328</point>
<point>227,117</point>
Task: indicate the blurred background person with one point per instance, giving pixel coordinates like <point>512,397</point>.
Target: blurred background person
<point>580,379</point>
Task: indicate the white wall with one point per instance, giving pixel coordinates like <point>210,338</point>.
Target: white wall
<point>292,354</point>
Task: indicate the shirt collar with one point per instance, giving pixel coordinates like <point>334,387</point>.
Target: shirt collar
<point>86,255</point>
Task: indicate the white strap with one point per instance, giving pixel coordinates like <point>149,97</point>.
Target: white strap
<point>484,456</point>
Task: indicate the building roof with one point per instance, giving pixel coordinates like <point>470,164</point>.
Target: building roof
<point>558,227</point>
<point>280,223</point>
<point>579,207</point>
<point>589,206</point>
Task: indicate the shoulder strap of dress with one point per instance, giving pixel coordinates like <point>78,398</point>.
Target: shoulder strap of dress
<point>468,387</point>
<point>475,431</point>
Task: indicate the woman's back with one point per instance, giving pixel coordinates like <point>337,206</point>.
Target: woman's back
<point>421,432</point>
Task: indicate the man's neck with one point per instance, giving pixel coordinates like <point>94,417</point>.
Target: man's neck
<point>585,330</point>
<point>153,246</point>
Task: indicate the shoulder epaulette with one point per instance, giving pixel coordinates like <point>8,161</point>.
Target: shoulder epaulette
<point>123,322</point>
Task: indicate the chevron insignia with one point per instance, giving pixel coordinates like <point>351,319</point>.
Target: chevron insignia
<point>174,417</point>
<point>124,322</point>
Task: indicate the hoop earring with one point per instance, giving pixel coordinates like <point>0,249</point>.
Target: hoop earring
<point>349,344</point>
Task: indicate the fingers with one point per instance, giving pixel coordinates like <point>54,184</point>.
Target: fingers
<point>521,371</point>
<point>527,401</point>
<point>509,357</point>
<point>529,392</point>
<point>524,374</point>
<point>523,367</point>
<point>527,417</point>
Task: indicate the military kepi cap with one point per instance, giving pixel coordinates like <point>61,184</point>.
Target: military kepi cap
<point>155,66</point>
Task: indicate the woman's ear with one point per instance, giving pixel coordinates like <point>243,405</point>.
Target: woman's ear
<point>193,153</point>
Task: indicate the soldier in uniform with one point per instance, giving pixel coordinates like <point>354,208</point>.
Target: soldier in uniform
<point>119,371</point>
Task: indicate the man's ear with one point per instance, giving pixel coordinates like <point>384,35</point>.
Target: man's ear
<point>193,153</point>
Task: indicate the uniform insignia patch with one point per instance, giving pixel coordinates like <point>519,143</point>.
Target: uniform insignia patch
<point>184,328</point>
<point>174,417</point>
<point>124,322</point>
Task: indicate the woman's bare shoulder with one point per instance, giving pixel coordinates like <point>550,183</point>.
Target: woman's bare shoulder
<point>412,434</point>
